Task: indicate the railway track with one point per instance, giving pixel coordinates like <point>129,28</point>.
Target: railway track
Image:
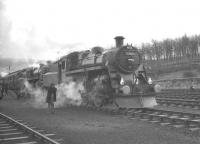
<point>172,118</point>
<point>190,121</point>
<point>185,98</point>
<point>165,117</point>
<point>12,131</point>
<point>185,94</point>
<point>187,103</point>
<point>191,97</point>
<point>16,132</point>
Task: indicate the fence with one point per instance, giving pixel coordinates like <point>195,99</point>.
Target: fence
<point>179,83</point>
<point>169,65</point>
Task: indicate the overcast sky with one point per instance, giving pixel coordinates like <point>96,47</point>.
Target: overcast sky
<point>47,29</point>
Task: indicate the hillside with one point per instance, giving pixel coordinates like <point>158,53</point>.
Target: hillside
<point>179,74</point>
<point>173,68</point>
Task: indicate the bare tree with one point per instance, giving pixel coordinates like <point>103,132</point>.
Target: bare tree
<point>169,48</point>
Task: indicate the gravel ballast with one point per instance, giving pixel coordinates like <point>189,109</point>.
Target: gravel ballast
<point>81,126</point>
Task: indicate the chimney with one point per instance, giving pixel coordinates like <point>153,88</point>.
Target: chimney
<point>119,41</point>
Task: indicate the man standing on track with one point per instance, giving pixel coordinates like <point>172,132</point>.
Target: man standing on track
<point>51,98</point>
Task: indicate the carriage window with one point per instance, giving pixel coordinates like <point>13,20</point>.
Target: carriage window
<point>63,64</point>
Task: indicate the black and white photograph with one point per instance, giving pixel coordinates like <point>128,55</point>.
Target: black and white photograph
<point>99,72</point>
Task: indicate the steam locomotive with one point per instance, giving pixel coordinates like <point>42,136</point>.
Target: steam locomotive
<point>111,76</point>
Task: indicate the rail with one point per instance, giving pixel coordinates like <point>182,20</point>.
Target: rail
<point>175,79</point>
<point>29,130</point>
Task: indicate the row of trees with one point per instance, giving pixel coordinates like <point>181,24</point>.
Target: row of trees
<point>171,48</point>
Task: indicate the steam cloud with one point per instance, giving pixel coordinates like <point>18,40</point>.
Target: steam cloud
<point>38,96</point>
<point>157,88</point>
<point>67,94</point>
<point>26,41</point>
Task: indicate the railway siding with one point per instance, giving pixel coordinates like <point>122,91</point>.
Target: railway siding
<point>13,131</point>
<point>82,125</point>
<point>179,98</point>
<point>176,119</point>
<point>164,117</point>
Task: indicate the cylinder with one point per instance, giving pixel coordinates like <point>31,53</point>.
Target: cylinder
<point>119,40</point>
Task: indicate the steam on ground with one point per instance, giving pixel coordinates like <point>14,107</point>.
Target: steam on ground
<point>67,94</point>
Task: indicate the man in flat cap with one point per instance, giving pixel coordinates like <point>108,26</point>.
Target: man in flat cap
<point>51,98</point>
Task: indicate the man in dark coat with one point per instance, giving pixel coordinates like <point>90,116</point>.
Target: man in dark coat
<point>4,89</point>
<point>51,98</point>
<point>1,88</point>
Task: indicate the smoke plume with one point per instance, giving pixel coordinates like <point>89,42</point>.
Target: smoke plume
<point>157,88</point>
<point>69,94</point>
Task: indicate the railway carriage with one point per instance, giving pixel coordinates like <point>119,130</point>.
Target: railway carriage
<point>15,81</point>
